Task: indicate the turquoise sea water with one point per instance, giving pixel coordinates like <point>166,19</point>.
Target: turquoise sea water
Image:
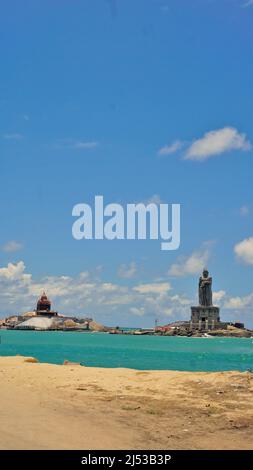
<point>137,352</point>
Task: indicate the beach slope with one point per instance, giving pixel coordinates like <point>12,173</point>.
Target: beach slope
<point>47,406</point>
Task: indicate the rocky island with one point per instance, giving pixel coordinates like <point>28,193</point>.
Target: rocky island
<point>205,320</point>
<point>43,318</point>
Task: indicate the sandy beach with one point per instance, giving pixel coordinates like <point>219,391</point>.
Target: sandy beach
<point>47,406</point>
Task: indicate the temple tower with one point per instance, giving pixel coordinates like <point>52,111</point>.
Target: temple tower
<point>44,307</point>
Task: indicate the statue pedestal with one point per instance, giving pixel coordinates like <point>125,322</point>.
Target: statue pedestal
<point>205,318</point>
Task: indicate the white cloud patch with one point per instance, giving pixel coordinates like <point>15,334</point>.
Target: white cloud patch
<point>244,250</point>
<point>127,271</point>
<point>170,149</point>
<point>15,272</point>
<point>12,246</point>
<point>234,308</point>
<point>153,288</point>
<point>193,264</point>
<point>217,142</point>
<point>138,311</point>
<point>239,303</point>
<point>218,296</point>
<point>164,305</point>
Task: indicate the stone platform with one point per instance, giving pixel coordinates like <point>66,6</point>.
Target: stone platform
<point>205,318</point>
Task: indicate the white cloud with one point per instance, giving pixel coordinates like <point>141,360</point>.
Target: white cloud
<point>138,311</point>
<point>172,148</point>
<point>239,303</point>
<point>218,296</point>
<point>165,305</point>
<point>192,264</point>
<point>235,307</point>
<point>217,142</point>
<point>127,271</point>
<point>12,246</point>
<point>15,272</point>
<point>244,250</point>
<point>154,288</point>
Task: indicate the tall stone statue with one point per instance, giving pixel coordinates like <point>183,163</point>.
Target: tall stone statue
<point>205,316</point>
<point>205,289</point>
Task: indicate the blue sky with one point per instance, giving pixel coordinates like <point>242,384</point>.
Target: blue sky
<point>93,97</point>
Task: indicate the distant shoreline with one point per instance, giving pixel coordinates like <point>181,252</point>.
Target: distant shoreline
<point>244,333</point>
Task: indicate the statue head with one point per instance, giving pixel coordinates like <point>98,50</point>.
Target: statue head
<point>205,273</point>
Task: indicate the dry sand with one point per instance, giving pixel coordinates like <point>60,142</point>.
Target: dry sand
<point>46,406</point>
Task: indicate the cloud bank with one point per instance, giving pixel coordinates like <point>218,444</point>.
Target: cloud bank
<point>87,294</point>
<point>244,250</point>
<point>193,264</point>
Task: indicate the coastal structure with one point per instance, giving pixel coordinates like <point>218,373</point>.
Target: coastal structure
<point>44,307</point>
<point>205,316</point>
<point>43,318</point>
<point>205,319</point>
